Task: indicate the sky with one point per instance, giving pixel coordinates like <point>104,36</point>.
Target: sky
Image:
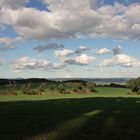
<point>69,38</point>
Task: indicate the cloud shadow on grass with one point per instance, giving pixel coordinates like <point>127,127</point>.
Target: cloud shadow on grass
<point>98,118</point>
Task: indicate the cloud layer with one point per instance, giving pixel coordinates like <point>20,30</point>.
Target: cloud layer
<point>67,19</point>
<point>77,57</point>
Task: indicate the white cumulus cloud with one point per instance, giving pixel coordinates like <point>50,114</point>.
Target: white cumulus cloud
<point>122,60</point>
<point>103,51</point>
<point>63,53</point>
<point>83,59</point>
<point>6,40</point>
<point>29,63</point>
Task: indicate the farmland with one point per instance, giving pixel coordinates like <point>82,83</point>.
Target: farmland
<point>111,113</point>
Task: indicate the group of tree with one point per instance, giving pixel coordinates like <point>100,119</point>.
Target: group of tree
<point>25,81</point>
<point>134,85</point>
<point>44,86</point>
<point>76,87</point>
<point>115,85</point>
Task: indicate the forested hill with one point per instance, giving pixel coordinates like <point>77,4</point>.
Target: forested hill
<point>30,80</point>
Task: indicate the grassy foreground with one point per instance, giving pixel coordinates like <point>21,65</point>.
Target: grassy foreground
<point>109,114</point>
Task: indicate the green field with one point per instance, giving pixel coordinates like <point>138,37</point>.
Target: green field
<point>111,113</point>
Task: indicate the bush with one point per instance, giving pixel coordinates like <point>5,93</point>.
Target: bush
<point>62,88</point>
<point>25,88</point>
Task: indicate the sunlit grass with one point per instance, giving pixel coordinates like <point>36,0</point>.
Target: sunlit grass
<point>101,91</point>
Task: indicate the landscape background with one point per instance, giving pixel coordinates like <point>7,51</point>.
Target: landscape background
<point>69,69</point>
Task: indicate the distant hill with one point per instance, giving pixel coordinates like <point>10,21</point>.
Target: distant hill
<point>74,81</point>
<point>94,80</point>
<point>30,80</point>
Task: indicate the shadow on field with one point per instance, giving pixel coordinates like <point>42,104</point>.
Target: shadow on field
<point>95,118</point>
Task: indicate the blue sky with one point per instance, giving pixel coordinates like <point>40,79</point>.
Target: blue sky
<point>58,38</point>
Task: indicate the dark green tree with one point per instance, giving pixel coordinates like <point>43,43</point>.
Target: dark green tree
<point>134,85</point>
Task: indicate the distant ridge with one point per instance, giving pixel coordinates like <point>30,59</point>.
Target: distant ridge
<point>100,80</point>
<point>94,80</point>
<point>32,80</point>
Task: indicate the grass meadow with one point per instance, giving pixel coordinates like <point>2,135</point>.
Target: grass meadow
<point>111,113</point>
